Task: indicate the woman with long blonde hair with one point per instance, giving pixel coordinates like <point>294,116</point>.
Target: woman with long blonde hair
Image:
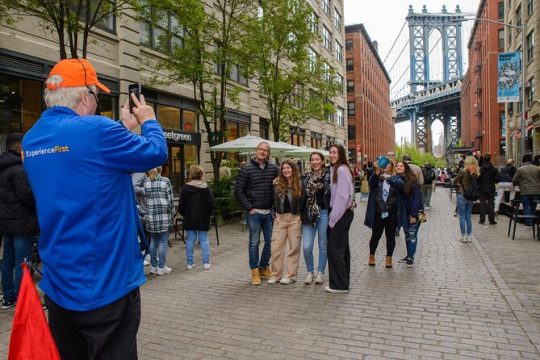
<point>288,205</point>
<point>462,182</point>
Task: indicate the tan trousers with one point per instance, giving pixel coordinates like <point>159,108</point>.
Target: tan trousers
<point>287,229</point>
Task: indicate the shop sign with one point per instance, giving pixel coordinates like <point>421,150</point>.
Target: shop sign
<point>179,137</point>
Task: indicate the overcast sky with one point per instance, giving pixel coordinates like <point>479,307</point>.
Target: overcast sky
<point>383,20</point>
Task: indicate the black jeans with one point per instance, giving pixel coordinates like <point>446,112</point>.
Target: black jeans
<point>487,204</point>
<point>339,254</point>
<point>389,226</point>
<point>108,333</point>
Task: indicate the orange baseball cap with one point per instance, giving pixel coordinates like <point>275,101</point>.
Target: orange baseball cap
<point>76,72</point>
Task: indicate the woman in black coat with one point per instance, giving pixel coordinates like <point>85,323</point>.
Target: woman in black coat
<point>196,205</point>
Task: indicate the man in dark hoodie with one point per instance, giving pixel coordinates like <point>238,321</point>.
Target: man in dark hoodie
<point>489,176</point>
<point>18,218</point>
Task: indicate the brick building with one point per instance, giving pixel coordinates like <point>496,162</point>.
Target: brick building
<point>370,125</point>
<point>482,118</point>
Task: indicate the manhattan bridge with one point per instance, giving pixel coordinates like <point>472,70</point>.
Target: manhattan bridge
<point>426,85</point>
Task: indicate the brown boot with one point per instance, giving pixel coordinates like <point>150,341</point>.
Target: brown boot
<point>266,273</point>
<point>388,263</point>
<point>255,277</point>
<point>371,260</point>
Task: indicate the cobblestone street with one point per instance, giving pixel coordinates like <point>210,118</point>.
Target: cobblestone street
<point>460,301</point>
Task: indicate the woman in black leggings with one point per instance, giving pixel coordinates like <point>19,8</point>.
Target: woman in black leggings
<point>382,209</point>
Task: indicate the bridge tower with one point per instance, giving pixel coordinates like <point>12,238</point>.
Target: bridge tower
<point>421,26</point>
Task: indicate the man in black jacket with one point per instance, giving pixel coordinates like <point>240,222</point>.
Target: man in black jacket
<point>18,218</point>
<point>254,190</point>
<point>489,176</point>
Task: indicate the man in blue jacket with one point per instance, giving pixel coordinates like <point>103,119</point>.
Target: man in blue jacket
<point>79,167</point>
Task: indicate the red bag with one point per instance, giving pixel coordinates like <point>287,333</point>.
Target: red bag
<point>31,337</point>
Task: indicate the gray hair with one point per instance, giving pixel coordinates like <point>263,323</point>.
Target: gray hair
<point>64,96</point>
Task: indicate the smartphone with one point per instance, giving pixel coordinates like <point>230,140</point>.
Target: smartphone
<point>134,89</point>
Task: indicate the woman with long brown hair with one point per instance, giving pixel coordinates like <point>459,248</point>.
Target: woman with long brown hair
<point>340,219</point>
<point>288,204</point>
<point>462,182</point>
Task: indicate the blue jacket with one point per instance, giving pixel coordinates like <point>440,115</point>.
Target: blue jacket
<point>80,169</point>
<point>408,204</point>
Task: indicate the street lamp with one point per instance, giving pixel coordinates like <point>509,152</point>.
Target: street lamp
<point>523,64</point>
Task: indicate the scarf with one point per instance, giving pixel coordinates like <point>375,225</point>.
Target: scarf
<point>314,184</point>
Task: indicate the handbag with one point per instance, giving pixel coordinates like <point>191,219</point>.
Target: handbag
<point>422,217</point>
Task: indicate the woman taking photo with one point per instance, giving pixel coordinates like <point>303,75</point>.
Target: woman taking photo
<point>288,204</point>
<point>160,208</point>
<point>315,215</point>
<point>340,219</point>
<point>462,182</point>
<point>409,207</point>
<point>381,213</point>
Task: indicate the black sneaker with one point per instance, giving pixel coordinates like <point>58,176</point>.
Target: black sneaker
<point>404,260</point>
<point>481,222</point>
<point>8,304</point>
<point>492,223</point>
<point>410,262</point>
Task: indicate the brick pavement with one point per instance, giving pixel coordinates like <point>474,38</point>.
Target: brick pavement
<point>460,301</point>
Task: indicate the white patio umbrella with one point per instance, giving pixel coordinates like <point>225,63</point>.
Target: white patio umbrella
<point>303,152</point>
<point>248,144</point>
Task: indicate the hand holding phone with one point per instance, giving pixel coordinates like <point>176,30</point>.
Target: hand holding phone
<point>136,90</point>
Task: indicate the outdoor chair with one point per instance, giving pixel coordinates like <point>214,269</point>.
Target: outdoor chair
<point>516,216</point>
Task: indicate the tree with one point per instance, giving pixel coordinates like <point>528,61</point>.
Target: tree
<point>296,85</point>
<point>212,43</point>
<point>69,18</point>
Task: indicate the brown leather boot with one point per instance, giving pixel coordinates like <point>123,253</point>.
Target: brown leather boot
<point>255,277</point>
<point>371,260</point>
<point>388,263</point>
<point>265,273</point>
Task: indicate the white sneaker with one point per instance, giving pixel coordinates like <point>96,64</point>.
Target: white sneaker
<point>153,270</point>
<point>309,278</point>
<point>273,280</point>
<point>287,281</point>
<point>469,238</point>
<point>190,266</point>
<point>334,291</point>
<point>463,239</point>
<point>146,261</point>
<point>206,266</point>
<point>164,270</point>
<point>319,279</point>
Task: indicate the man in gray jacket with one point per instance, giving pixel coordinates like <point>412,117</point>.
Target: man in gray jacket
<point>527,177</point>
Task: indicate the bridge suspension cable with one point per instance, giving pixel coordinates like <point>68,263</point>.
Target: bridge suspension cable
<point>395,41</point>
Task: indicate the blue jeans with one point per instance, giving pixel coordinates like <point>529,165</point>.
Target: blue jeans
<point>257,222</point>
<point>158,246</point>
<point>411,238</point>
<point>529,206</point>
<point>464,208</point>
<point>16,249</point>
<point>190,243</point>
<point>309,231</point>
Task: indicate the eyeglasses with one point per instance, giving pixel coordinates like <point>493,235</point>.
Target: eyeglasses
<point>262,149</point>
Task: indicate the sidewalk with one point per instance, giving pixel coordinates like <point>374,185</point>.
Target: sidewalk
<point>460,301</point>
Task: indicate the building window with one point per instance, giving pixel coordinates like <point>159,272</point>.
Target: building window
<point>164,35</point>
<point>339,52</point>
<point>350,109</point>
<point>312,55</point>
<point>501,39</point>
<point>329,115</point>
<point>298,136</point>
<point>108,23</point>
<point>264,129</point>
<point>337,19</point>
<point>531,92</point>
<point>351,132</point>
<point>500,10</point>
<point>326,6</point>
<point>350,86</point>
<point>340,81</point>
<point>530,46</point>
<point>314,22</point>
<point>340,118</point>
<point>348,45</point>
<point>518,15</point>
<point>509,33</point>
<point>530,7</point>
<point>316,140</point>
<point>327,38</point>
<point>350,65</point>
<point>238,73</point>
<point>327,72</point>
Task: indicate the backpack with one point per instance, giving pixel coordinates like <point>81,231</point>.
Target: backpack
<point>429,176</point>
<point>472,193</point>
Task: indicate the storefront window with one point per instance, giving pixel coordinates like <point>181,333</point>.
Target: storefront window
<point>108,106</point>
<point>189,121</point>
<point>168,116</point>
<point>232,130</point>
